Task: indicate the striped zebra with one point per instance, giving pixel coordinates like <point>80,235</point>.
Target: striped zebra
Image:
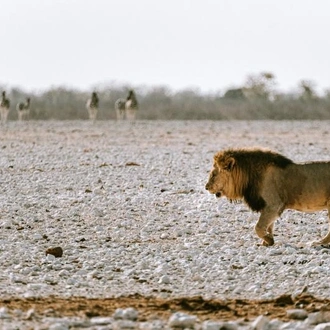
<point>23,109</point>
<point>120,109</point>
<point>4,108</point>
<point>92,106</point>
<point>131,105</point>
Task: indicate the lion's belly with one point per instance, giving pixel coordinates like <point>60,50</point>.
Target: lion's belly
<point>305,207</point>
<point>309,198</point>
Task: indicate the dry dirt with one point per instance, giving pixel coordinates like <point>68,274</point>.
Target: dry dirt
<point>154,308</point>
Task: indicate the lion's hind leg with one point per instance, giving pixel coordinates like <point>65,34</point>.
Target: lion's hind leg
<point>326,239</point>
<point>265,225</point>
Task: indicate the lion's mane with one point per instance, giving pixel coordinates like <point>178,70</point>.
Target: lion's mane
<point>248,171</point>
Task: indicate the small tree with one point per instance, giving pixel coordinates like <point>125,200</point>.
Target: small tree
<point>307,88</point>
<point>260,86</point>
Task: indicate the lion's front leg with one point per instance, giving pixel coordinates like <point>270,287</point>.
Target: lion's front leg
<point>265,225</point>
<point>326,239</point>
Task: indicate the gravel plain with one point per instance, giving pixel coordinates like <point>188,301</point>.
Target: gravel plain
<point>126,202</point>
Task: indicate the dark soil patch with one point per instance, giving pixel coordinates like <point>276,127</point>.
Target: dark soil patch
<point>151,308</point>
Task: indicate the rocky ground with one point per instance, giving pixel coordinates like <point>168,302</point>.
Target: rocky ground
<point>141,238</point>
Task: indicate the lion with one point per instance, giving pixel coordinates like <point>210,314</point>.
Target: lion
<point>270,183</point>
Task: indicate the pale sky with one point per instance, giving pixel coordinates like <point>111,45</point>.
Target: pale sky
<point>206,44</point>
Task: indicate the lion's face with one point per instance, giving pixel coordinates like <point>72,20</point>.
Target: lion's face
<point>214,185</point>
<point>220,180</point>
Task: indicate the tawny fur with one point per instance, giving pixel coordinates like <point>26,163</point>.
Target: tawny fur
<point>269,183</point>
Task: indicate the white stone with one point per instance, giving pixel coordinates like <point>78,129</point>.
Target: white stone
<point>16,279</point>
<point>7,224</point>
<point>164,280</point>
<point>126,324</point>
<point>318,317</point>
<point>130,314</point>
<point>323,326</point>
<point>182,320</point>
<point>36,286</point>
<point>64,273</point>
<point>118,314</point>
<point>50,279</point>
<point>50,258</point>
<point>101,320</point>
<point>71,281</point>
<point>296,314</point>
<point>4,313</point>
<point>274,324</point>
<point>260,323</point>
<point>37,237</point>
<point>212,325</point>
<point>58,326</point>
<point>291,326</point>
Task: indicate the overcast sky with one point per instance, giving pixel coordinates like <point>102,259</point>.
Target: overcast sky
<point>208,44</point>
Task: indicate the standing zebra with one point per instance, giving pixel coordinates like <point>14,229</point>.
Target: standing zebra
<point>23,109</point>
<point>4,108</point>
<point>92,106</point>
<point>120,109</point>
<point>131,105</point>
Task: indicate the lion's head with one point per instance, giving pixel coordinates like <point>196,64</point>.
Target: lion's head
<point>238,174</point>
<point>225,178</point>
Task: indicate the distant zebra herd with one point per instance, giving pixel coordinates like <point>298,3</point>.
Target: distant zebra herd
<point>125,108</point>
<point>23,109</point>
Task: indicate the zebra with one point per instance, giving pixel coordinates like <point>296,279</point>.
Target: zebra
<point>120,109</point>
<point>92,106</point>
<point>23,109</point>
<point>4,108</point>
<point>131,105</point>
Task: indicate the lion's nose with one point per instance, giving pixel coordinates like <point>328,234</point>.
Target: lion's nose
<point>207,186</point>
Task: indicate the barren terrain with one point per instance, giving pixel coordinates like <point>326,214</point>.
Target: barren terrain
<point>126,202</point>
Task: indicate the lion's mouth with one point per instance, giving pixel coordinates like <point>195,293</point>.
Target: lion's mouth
<point>218,194</point>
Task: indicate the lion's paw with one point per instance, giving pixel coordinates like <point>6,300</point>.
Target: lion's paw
<point>317,243</point>
<point>268,241</point>
<point>313,243</point>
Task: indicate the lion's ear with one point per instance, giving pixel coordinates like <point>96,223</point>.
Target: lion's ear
<point>229,164</point>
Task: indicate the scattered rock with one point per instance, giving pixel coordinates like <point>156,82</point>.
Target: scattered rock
<point>323,326</point>
<point>297,314</point>
<point>101,320</point>
<point>58,326</point>
<point>57,252</point>
<point>132,164</point>
<point>4,313</point>
<point>260,323</point>
<point>130,314</point>
<point>318,317</point>
<point>212,325</point>
<point>182,320</point>
<point>164,280</point>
